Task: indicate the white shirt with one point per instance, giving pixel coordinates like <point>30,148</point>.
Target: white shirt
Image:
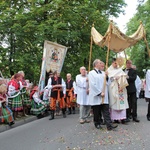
<point>63,84</point>
<point>36,98</point>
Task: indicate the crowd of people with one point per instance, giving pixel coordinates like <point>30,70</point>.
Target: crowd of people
<point>110,95</point>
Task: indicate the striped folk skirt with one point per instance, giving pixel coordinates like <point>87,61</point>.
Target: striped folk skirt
<point>25,99</point>
<point>6,115</point>
<point>15,103</point>
<point>47,103</point>
<point>37,109</point>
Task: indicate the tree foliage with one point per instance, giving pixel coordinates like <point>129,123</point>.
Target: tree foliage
<point>26,24</point>
<point>139,53</point>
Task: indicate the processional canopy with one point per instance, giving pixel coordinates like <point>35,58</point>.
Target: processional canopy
<point>116,40</point>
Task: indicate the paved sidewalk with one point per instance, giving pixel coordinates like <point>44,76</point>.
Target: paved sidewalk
<point>21,121</point>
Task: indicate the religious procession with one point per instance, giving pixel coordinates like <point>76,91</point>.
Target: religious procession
<point>117,104</point>
<point>108,94</point>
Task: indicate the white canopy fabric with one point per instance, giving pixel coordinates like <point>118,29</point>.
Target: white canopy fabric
<point>115,39</point>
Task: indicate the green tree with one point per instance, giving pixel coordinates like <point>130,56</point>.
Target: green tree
<point>25,24</point>
<point>139,53</point>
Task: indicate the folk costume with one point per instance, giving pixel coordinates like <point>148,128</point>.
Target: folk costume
<point>14,95</point>
<point>46,95</point>
<point>38,107</point>
<point>57,94</point>
<point>24,95</point>
<point>6,115</point>
<point>147,93</point>
<point>117,93</point>
<point>70,97</point>
<point>83,97</point>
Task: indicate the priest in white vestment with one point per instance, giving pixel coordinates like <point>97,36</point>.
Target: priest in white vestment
<point>117,92</point>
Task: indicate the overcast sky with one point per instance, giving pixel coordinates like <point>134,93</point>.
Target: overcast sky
<point>130,10</point>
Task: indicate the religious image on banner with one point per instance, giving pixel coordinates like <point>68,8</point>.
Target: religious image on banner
<point>55,55</point>
<point>53,59</point>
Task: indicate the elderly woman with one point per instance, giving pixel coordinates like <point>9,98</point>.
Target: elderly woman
<point>14,98</point>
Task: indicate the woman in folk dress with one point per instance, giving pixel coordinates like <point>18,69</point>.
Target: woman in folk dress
<point>6,115</point>
<point>38,107</point>
<point>14,95</point>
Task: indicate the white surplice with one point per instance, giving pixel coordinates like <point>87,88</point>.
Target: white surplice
<point>147,87</point>
<point>81,90</point>
<point>96,86</point>
<point>138,85</point>
<point>117,88</point>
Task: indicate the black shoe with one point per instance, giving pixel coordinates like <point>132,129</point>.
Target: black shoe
<point>64,115</point>
<point>124,122</point>
<point>97,126</point>
<point>130,117</point>
<point>148,118</point>
<point>73,112</point>
<point>112,126</point>
<point>127,120</point>
<point>136,120</point>
<point>52,115</point>
<point>69,111</point>
<point>64,112</point>
<point>51,118</point>
<point>40,116</point>
<point>11,123</point>
<point>116,121</point>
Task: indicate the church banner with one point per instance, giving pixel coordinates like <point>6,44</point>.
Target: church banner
<point>53,59</point>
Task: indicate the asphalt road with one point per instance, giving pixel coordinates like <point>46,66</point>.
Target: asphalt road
<point>68,134</point>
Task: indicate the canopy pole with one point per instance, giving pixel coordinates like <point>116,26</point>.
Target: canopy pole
<point>125,55</point>
<point>90,54</point>
<point>108,50</point>
<point>145,40</point>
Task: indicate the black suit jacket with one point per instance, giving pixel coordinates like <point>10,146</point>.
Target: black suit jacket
<point>131,81</point>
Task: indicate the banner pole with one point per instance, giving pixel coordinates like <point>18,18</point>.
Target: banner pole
<point>108,49</point>
<point>43,69</point>
<point>90,53</point>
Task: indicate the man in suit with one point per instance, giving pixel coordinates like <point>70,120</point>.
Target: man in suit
<point>131,92</point>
